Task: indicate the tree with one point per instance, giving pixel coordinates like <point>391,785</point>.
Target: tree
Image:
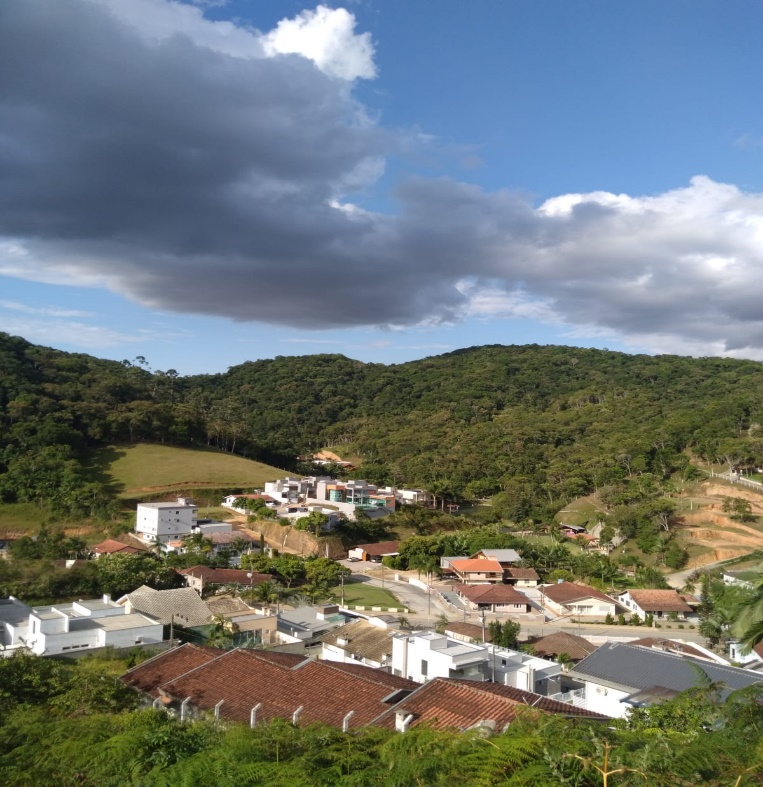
<point>322,574</point>
<point>739,508</point>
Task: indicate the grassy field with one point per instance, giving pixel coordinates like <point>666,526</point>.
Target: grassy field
<point>21,518</point>
<point>361,594</point>
<point>146,467</point>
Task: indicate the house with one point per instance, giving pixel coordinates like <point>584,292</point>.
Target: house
<point>521,577</point>
<point>113,547</point>
<point>181,606</point>
<point>618,677</point>
<point>229,501</point>
<point>375,552</point>
<point>474,571</point>
<point>745,579</point>
<point>414,497</point>
<point>201,577</point>
<point>165,521</point>
<point>423,656</point>
<point>562,643</point>
<point>307,625</point>
<point>249,627</point>
<point>659,603</point>
<point>506,557</point>
<point>359,642</point>
<point>75,626</point>
<point>752,659</point>
<point>494,598</point>
<point>251,686</point>
<point>569,598</point>
<point>465,705</point>
<point>488,566</point>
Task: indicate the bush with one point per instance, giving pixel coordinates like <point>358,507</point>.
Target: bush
<point>621,619</point>
<point>680,625</point>
<point>609,620</point>
<point>635,619</point>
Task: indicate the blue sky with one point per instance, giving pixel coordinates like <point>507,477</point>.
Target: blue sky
<point>204,184</point>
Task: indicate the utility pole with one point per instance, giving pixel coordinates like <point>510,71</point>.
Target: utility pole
<point>341,580</point>
<point>172,628</point>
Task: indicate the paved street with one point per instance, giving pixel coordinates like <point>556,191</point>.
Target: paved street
<point>427,607</point>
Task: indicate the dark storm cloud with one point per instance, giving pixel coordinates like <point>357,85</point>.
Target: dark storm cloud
<point>186,169</point>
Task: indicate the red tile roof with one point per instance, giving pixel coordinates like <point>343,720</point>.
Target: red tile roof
<point>492,594</point>
<point>111,546</point>
<point>568,592</point>
<point>325,691</point>
<point>167,666</point>
<point>460,704</point>
<point>561,642</point>
<point>522,573</point>
<point>470,630</point>
<point>225,576</point>
<point>382,548</point>
<point>659,600</point>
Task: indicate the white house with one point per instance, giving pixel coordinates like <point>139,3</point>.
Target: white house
<point>166,521</point>
<point>659,603</point>
<point>79,625</point>
<point>754,657</point>
<point>569,598</point>
<point>618,677</point>
<point>427,655</point>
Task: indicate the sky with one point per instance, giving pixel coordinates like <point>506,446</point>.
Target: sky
<point>205,183</point>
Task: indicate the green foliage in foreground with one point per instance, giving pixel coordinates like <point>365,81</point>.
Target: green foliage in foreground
<point>63,724</point>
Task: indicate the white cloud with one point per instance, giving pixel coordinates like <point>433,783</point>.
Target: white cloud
<point>327,37</point>
<point>48,311</point>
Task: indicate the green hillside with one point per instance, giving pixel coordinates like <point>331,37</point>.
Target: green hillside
<point>145,467</point>
<point>533,427</point>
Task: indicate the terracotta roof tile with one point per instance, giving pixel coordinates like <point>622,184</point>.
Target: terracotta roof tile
<point>567,592</point>
<point>382,548</point>
<point>561,642</point>
<point>470,630</point>
<point>522,573</point>
<point>492,594</point>
<point>460,704</point>
<point>659,600</point>
<point>111,546</point>
<point>325,691</point>
<point>167,666</point>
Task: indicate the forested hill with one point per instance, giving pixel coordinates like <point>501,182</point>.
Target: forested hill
<point>542,424</point>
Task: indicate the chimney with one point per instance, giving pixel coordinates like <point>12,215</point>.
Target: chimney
<point>402,720</point>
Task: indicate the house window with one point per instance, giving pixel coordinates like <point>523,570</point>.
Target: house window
<point>424,667</point>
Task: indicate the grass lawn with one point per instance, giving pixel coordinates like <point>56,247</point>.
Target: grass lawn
<point>361,594</point>
<point>21,517</point>
<point>145,467</point>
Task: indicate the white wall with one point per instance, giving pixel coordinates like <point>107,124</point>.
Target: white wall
<point>164,523</point>
<point>602,699</point>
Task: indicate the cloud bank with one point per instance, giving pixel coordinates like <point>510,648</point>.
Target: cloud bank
<point>209,168</point>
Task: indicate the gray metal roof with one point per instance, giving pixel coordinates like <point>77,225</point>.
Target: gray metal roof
<point>633,668</point>
<point>502,555</point>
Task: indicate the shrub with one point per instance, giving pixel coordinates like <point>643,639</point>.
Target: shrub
<point>621,619</point>
<point>609,620</point>
<point>635,619</point>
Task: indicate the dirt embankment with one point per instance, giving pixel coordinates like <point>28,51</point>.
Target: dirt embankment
<point>298,542</point>
<point>720,491</point>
